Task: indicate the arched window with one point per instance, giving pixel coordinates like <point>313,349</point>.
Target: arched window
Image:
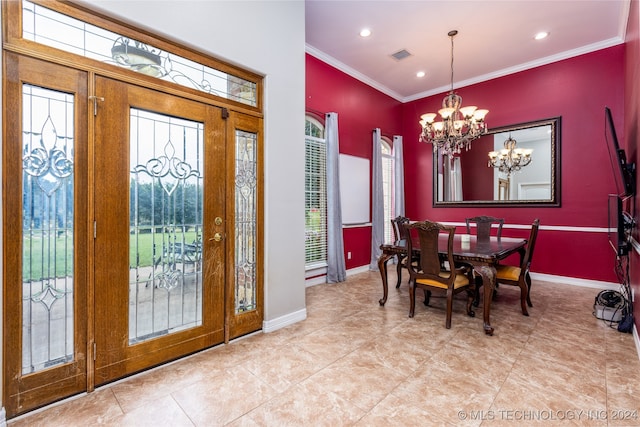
<point>315,195</point>
<point>387,187</point>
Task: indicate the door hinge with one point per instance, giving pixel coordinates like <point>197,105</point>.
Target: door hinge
<point>95,100</point>
<point>94,350</point>
<point>225,113</point>
<point>95,229</point>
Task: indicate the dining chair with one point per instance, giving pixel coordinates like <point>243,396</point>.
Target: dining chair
<point>483,226</point>
<point>429,274</point>
<point>399,226</point>
<point>519,276</point>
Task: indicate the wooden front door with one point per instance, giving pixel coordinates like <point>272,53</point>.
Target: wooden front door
<point>131,230</point>
<point>159,224</point>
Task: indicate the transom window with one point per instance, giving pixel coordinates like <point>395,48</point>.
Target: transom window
<point>63,32</point>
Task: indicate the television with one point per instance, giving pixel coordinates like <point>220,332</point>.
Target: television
<point>623,172</point>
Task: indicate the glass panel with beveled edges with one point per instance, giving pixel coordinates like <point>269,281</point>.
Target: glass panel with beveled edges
<point>51,28</point>
<point>245,223</point>
<point>166,202</point>
<point>47,228</point>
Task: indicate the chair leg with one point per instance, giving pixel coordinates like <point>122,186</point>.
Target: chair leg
<point>528,279</point>
<point>478,281</point>
<point>449,308</point>
<point>427,296</point>
<point>412,298</point>
<point>523,296</point>
<point>471,296</point>
<point>399,269</point>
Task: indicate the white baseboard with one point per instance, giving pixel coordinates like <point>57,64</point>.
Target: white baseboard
<point>319,280</point>
<point>361,269</point>
<point>585,283</point>
<point>286,320</point>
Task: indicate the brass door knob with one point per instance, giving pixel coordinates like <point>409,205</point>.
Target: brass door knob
<point>217,237</point>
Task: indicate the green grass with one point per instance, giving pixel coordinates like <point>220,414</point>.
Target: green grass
<point>58,253</point>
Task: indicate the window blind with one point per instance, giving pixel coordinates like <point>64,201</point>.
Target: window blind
<point>315,201</point>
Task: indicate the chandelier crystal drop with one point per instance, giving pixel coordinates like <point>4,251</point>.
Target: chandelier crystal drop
<point>510,159</point>
<point>459,126</point>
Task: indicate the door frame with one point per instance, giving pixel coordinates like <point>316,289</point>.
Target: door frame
<point>13,43</point>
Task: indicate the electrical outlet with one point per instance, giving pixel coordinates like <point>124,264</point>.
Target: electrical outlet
<point>348,255</point>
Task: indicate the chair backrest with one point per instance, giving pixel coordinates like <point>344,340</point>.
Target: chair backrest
<point>428,234</point>
<point>531,244</point>
<point>399,225</point>
<point>483,226</point>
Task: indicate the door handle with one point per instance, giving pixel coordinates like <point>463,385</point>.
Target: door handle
<point>217,237</point>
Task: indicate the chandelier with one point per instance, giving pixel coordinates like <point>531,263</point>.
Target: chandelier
<point>459,125</point>
<point>510,159</point>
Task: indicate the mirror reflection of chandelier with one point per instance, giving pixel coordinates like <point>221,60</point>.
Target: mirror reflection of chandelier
<point>459,125</point>
<point>510,159</point>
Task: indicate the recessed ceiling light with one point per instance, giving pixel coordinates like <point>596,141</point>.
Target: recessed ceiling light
<point>420,74</point>
<point>541,35</point>
<point>365,32</point>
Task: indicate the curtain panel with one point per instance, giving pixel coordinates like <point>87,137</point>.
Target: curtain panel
<point>336,268</point>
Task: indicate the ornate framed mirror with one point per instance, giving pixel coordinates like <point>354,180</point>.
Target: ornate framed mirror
<point>515,165</point>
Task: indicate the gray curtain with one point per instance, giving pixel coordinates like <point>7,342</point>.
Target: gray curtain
<point>336,269</point>
<point>453,179</point>
<point>377,204</point>
<point>398,175</point>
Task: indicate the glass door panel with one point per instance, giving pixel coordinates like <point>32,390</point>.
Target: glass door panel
<point>47,230</point>
<point>166,163</point>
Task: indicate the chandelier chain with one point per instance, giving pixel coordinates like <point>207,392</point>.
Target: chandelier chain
<point>451,36</point>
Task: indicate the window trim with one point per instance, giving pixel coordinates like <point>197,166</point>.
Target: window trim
<point>13,41</point>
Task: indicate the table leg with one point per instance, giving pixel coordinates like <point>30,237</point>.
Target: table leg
<point>382,266</point>
<point>488,273</point>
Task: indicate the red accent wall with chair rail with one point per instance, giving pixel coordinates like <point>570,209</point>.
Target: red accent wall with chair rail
<point>360,109</point>
<point>632,134</point>
<point>572,241</point>
<point>577,89</point>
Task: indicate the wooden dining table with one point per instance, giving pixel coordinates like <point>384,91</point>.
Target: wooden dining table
<point>482,254</point>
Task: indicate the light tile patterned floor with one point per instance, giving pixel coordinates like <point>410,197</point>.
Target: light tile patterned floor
<point>354,363</point>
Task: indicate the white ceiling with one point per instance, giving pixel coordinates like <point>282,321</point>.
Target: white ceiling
<point>494,38</point>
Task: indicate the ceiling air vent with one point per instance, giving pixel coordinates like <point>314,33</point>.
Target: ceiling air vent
<point>401,54</point>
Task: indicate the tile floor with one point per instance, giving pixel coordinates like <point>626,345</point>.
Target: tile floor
<point>354,363</point>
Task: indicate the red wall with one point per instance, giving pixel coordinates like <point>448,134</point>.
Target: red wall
<point>576,89</point>
<point>360,109</point>
<point>631,131</point>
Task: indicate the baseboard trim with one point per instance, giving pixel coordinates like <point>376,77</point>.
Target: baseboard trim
<point>282,321</point>
<point>565,280</point>
<point>320,280</point>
